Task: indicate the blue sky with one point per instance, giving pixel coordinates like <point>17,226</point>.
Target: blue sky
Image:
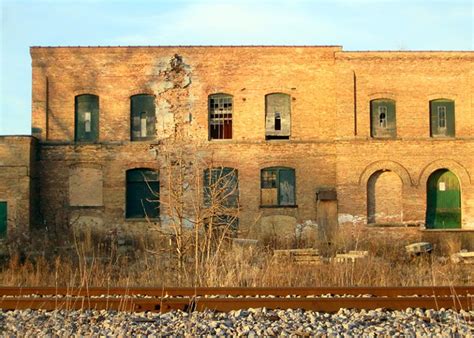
<point>356,25</point>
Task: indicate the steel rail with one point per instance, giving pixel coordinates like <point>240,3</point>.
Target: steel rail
<point>228,304</point>
<point>238,291</point>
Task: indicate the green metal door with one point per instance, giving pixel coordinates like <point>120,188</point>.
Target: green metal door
<point>3,219</point>
<point>443,208</point>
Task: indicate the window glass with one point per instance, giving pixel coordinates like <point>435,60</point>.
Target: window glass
<point>86,118</point>
<point>143,117</point>
<point>220,116</point>
<point>278,187</point>
<point>442,118</point>
<point>142,194</point>
<point>383,118</point>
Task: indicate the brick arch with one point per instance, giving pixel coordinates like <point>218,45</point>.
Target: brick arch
<point>221,164</point>
<point>86,91</point>
<point>140,165</point>
<point>441,95</point>
<point>458,169</point>
<point>397,168</point>
<point>382,95</point>
<point>141,92</point>
<point>276,163</point>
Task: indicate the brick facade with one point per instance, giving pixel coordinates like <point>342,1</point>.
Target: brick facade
<point>330,145</point>
<point>19,181</point>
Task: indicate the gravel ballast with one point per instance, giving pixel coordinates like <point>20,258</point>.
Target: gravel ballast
<point>249,322</point>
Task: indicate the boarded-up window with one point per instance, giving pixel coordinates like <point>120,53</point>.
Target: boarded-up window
<point>277,116</point>
<point>383,118</point>
<point>278,187</point>
<point>85,187</point>
<point>221,187</point>
<point>442,118</point>
<point>143,117</point>
<point>142,194</point>
<point>87,118</point>
<point>220,116</point>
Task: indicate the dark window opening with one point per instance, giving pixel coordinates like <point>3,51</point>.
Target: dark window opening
<point>278,187</point>
<point>142,194</point>
<point>383,117</point>
<point>87,118</point>
<point>220,117</point>
<point>143,117</point>
<point>277,121</point>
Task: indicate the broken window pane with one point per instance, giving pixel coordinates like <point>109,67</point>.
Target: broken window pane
<point>87,118</point>
<point>143,117</point>
<point>277,116</point>
<point>143,125</point>
<point>383,118</point>
<point>220,116</point>
<point>278,187</point>
<point>442,119</point>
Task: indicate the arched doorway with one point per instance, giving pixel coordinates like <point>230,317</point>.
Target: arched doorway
<point>384,197</point>
<point>443,200</point>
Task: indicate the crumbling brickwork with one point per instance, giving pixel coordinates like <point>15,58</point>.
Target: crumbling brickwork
<point>330,144</point>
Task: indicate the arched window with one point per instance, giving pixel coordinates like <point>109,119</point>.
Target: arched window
<point>278,186</point>
<point>142,194</point>
<point>383,118</point>
<point>277,116</point>
<point>86,118</point>
<point>143,117</point>
<point>442,118</point>
<point>220,116</point>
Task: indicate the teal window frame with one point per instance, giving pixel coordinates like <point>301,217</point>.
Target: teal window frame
<point>274,178</point>
<point>142,106</point>
<point>142,194</point>
<point>86,130</point>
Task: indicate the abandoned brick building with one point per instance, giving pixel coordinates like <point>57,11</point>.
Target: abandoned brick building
<point>310,135</point>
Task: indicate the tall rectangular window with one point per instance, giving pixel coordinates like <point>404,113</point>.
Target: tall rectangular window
<point>87,118</point>
<point>142,194</point>
<point>221,197</point>
<point>220,116</point>
<point>442,118</point>
<point>278,187</point>
<point>143,117</point>
<point>277,116</point>
<point>383,118</point>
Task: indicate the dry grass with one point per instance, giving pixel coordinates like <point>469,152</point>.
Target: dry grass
<point>97,261</point>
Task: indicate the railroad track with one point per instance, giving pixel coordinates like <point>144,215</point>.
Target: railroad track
<point>324,299</point>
